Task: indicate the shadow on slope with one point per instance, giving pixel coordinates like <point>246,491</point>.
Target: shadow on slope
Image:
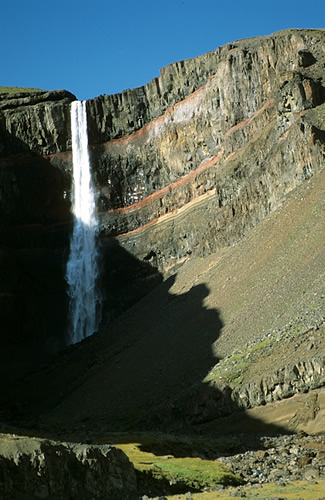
<point>144,371</point>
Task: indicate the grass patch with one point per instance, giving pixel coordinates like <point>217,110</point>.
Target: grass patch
<point>197,474</point>
<point>231,370</point>
<point>293,490</point>
<point>235,368</point>
<point>17,90</point>
<point>186,473</point>
<point>161,471</point>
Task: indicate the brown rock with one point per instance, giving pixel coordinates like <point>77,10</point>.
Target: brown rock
<point>304,460</point>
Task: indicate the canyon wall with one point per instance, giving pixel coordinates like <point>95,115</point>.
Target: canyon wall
<point>182,166</point>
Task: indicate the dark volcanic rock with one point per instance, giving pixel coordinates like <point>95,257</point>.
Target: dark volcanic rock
<point>35,223</point>
<point>35,122</point>
<point>38,468</point>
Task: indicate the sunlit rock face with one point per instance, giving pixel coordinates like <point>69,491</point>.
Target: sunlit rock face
<point>182,166</point>
<point>201,154</point>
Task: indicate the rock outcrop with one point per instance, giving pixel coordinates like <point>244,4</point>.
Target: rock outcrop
<point>36,122</point>
<point>39,468</point>
<point>35,223</point>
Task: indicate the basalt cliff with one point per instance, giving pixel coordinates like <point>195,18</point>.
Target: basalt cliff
<point>183,166</point>
<point>210,196</point>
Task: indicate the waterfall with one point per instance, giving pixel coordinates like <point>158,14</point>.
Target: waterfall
<point>82,267</point>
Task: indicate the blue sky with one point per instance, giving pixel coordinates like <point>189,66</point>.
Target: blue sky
<point>103,47</point>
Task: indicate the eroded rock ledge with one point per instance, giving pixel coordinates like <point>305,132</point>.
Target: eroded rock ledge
<point>40,468</point>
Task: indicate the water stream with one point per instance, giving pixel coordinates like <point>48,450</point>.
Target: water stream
<point>82,267</point>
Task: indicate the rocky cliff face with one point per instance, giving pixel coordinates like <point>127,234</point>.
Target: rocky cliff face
<point>183,166</point>
<point>34,224</point>
<point>36,122</point>
<point>230,146</point>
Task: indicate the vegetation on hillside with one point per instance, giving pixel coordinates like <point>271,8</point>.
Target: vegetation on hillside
<point>16,90</point>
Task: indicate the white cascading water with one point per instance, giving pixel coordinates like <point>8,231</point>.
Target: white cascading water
<point>82,267</point>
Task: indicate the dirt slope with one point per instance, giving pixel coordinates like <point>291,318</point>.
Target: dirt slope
<point>175,335</point>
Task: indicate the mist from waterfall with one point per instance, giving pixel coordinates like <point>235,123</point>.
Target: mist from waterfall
<point>82,267</point>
